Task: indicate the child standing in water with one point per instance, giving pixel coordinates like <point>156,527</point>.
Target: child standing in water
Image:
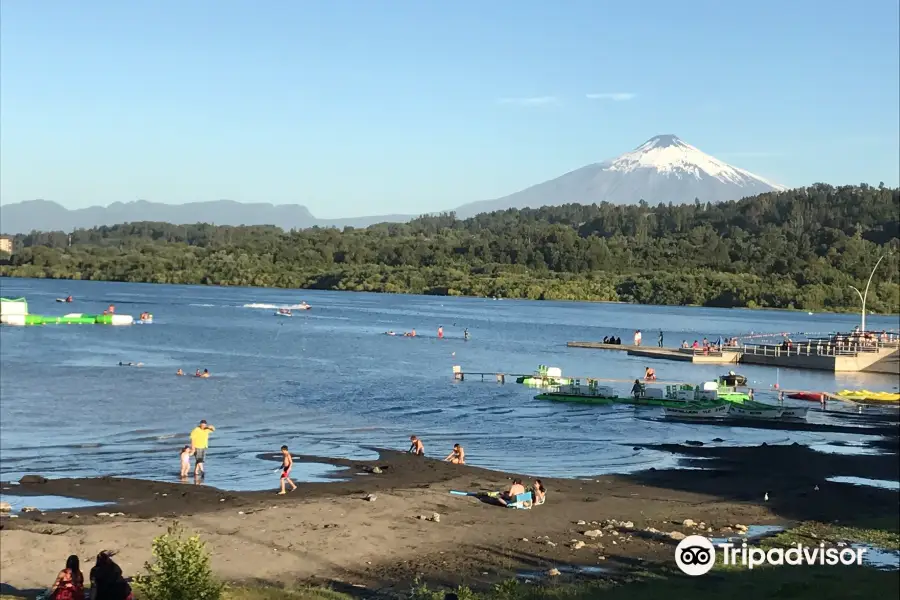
<point>185,461</point>
<point>287,462</point>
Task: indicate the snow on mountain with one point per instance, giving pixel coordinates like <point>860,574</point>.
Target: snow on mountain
<point>662,169</point>
<point>670,155</point>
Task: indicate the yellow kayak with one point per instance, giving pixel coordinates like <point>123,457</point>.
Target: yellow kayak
<point>867,396</point>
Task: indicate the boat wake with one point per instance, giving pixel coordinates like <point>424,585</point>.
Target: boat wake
<point>276,306</point>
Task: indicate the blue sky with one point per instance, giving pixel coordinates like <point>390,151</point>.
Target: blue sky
<point>356,107</point>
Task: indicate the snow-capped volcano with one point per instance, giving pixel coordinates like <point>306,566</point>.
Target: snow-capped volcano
<point>662,169</point>
<point>670,155</point>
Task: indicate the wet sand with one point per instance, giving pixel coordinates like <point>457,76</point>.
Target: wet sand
<point>331,532</point>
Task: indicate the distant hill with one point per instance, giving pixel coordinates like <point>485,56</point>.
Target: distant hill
<point>662,169</point>
<point>43,215</point>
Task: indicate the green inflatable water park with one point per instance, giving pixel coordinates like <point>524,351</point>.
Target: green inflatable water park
<point>14,311</point>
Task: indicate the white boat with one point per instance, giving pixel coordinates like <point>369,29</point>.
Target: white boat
<point>755,411</point>
<point>697,411</point>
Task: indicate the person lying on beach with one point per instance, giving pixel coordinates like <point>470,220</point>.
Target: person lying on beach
<point>185,461</point>
<point>107,582</point>
<point>287,461</point>
<point>416,446</point>
<point>539,492</point>
<point>510,495</point>
<point>69,584</point>
<point>458,456</point>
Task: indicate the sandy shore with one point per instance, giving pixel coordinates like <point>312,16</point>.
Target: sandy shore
<point>330,532</point>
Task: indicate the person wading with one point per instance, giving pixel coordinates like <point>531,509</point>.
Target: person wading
<point>199,445</point>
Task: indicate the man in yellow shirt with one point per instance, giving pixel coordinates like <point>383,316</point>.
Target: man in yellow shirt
<point>199,444</point>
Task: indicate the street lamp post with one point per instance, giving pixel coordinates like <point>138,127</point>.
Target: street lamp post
<point>865,294</point>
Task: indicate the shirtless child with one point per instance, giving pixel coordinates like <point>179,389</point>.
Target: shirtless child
<point>287,462</point>
<point>416,446</point>
<point>458,456</point>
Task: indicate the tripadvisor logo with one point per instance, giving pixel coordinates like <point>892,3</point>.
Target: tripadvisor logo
<point>696,555</point>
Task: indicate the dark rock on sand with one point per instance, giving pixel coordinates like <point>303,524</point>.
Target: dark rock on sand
<point>31,479</point>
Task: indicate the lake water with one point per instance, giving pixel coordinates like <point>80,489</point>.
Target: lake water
<point>328,382</point>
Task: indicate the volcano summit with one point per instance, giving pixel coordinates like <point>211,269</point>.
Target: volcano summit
<point>662,169</point>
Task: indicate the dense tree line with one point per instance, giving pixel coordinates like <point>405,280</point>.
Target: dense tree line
<point>801,248</point>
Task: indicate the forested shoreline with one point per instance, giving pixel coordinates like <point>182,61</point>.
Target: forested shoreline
<point>799,249</point>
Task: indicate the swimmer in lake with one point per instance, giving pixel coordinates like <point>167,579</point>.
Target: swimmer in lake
<point>466,333</point>
<point>649,374</point>
<point>457,456</point>
<point>416,446</point>
<point>179,372</point>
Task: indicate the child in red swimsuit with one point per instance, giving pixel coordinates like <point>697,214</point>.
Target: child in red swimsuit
<point>287,462</point>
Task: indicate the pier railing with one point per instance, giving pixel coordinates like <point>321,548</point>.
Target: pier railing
<point>810,348</point>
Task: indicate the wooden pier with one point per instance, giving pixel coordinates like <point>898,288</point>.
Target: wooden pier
<point>501,377</point>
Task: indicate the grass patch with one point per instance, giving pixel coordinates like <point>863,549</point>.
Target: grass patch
<point>795,583</point>
<point>258,593</point>
<point>811,534</point>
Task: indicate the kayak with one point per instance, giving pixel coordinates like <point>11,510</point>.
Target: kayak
<point>808,396</point>
<point>63,300</point>
<point>278,313</point>
<point>867,396</point>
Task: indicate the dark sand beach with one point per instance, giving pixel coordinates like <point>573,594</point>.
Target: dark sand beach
<point>330,532</point>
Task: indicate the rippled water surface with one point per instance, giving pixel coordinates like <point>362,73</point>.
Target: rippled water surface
<point>328,382</point>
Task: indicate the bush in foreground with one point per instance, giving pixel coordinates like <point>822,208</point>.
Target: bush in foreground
<point>180,570</point>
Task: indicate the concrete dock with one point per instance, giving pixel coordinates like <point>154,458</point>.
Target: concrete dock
<point>819,355</point>
<point>724,357</point>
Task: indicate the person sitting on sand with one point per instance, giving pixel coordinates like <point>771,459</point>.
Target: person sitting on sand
<point>649,374</point>
<point>185,461</point>
<point>107,582</point>
<point>510,495</point>
<point>287,461</point>
<point>416,446</point>
<point>539,492</point>
<point>69,584</point>
<point>458,456</point>
<point>637,390</point>
<point>179,372</point>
